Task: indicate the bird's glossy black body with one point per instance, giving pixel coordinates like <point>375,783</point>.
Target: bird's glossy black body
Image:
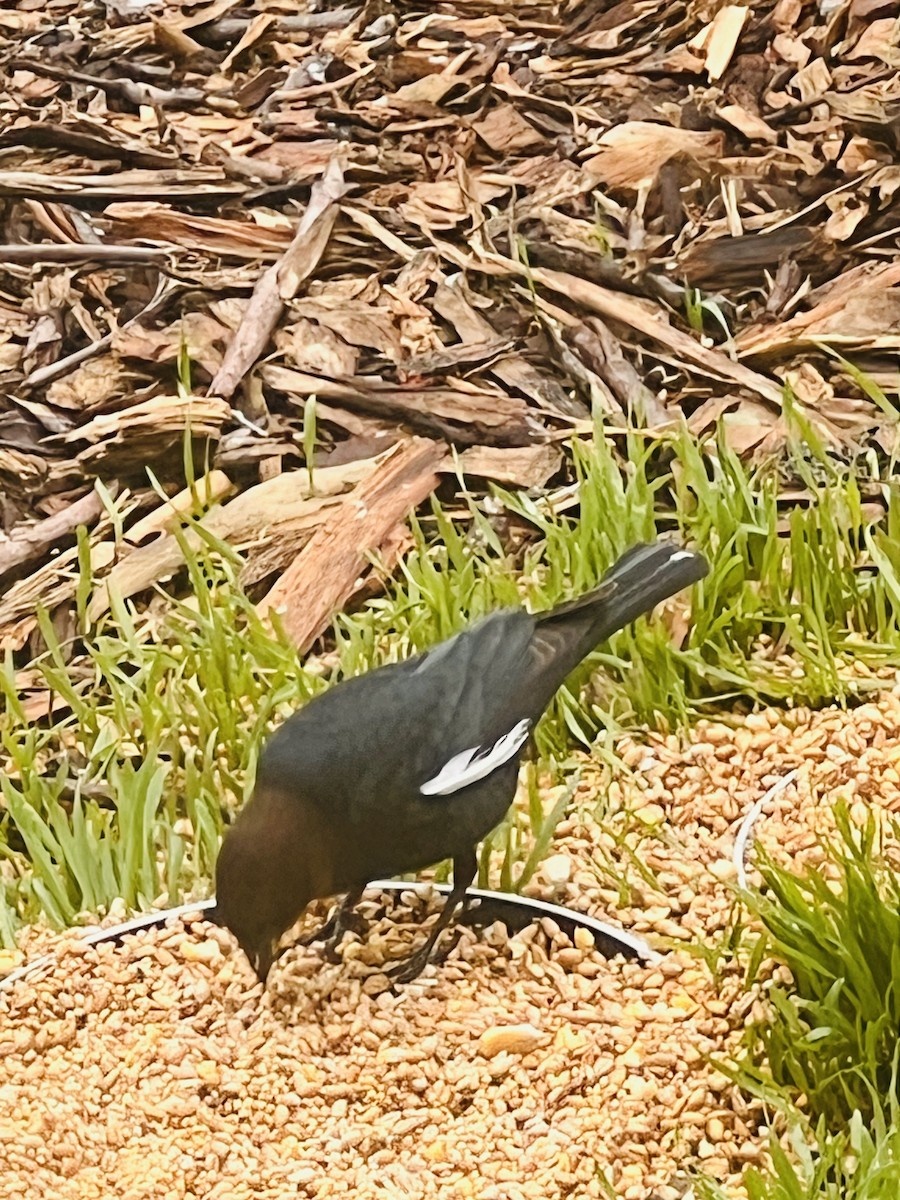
<point>339,793</point>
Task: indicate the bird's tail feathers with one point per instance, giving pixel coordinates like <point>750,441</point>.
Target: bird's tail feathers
<point>644,576</point>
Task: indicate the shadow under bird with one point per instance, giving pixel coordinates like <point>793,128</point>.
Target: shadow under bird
<point>413,762</point>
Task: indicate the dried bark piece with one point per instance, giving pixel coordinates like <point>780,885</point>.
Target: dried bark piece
<point>212,488</point>
<point>198,232</point>
<point>324,574</point>
<point>718,40</point>
<point>521,466</point>
<point>652,323</point>
<point>281,281</point>
<point>466,413</point>
<point>280,509</point>
<point>147,430</point>
<point>512,370</point>
<point>860,310</point>
<point>33,541</point>
<point>636,151</point>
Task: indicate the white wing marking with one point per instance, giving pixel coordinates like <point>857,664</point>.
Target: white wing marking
<point>471,765</point>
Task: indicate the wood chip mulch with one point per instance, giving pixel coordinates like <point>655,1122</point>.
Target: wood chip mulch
<point>464,225</point>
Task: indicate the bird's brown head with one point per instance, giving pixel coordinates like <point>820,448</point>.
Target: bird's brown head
<point>261,885</point>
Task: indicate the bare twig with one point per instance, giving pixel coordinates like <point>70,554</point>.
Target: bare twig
<point>82,253</point>
<point>33,541</point>
<point>125,89</point>
<point>164,291</point>
<point>323,575</point>
<point>230,28</point>
<point>281,281</point>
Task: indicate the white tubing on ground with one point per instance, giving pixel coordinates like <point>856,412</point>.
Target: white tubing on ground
<point>739,854</point>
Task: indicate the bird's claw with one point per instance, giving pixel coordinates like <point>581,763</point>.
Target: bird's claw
<point>355,922</point>
<point>409,969</point>
<point>334,929</point>
<point>330,951</point>
<point>323,933</point>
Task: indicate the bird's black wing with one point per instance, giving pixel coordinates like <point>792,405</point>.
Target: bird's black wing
<point>438,721</point>
<point>398,726</point>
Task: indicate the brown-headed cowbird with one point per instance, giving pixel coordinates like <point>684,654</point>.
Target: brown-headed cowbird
<point>414,762</point>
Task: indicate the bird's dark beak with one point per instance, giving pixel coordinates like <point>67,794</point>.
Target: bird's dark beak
<point>261,962</point>
<point>261,967</point>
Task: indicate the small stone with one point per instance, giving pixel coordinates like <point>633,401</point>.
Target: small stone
<point>208,1071</point>
<point>557,869</point>
<point>206,951</point>
<point>9,960</point>
<point>715,1130</point>
<point>671,929</point>
<point>569,1039</point>
<point>514,1039</point>
<point>435,1151</point>
<point>584,939</point>
<point>651,814</point>
<point>641,1089</point>
<point>722,869</point>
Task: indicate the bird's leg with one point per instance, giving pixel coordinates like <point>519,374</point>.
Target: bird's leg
<point>464,870</point>
<point>323,931</point>
<point>342,920</point>
<point>346,921</point>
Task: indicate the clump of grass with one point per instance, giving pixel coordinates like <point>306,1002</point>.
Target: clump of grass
<point>122,792</point>
<point>834,1033</point>
<point>827,1056</point>
<point>860,1163</point>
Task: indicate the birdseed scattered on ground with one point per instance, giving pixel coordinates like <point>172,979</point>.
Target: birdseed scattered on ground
<point>515,1068</point>
<point>523,1066</point>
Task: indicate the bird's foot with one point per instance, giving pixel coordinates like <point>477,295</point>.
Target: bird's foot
<point>410,968</point>
<point>355,922</point>
<point>335,928</point>
<point>350,923</point>
<point>329,951</point>
<point>407,970</point>
<point>322,934</point>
